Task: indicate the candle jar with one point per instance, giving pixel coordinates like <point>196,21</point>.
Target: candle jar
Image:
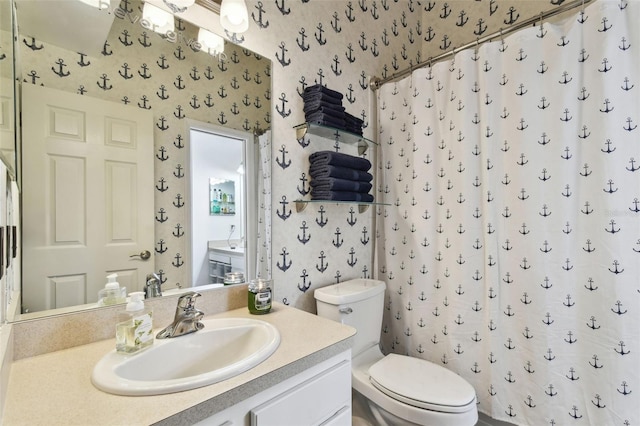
<point>259,296</point>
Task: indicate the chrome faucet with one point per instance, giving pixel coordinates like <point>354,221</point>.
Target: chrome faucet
<point>187,317</point>
<point>152,286</point>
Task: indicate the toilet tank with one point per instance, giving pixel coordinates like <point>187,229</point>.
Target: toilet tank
<point>358,303</point>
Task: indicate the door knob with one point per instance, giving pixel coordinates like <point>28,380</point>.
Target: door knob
<point>144,255</point>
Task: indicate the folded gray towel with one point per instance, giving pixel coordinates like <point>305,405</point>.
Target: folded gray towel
<point>327,112</point>
<point>312,106</point>
<point>336,184</point>
<point>340,172</point>
<point>341,196</point>
<point>333,158</point>
<point>320,89</point>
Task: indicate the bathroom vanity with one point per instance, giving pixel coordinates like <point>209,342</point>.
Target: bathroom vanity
<point>306,380</point>
<point>223,260</point>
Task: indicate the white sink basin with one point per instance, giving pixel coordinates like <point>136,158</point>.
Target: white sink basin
<point>225,348</point>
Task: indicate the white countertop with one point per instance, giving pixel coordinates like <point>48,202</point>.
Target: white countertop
<point>56,389</point>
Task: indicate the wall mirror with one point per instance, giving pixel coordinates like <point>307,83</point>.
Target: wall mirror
<point>147,91</point>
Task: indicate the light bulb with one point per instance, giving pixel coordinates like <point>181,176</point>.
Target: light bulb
<point>211,43</point>
<point>157,19</point>
<point>234,16</point>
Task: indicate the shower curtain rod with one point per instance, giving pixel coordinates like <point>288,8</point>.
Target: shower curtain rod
<point>375,83</point>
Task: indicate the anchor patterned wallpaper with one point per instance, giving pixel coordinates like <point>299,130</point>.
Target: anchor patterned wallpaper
<point>338,43</point>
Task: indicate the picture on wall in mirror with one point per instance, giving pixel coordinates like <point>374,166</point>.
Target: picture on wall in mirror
<point>222,195</point>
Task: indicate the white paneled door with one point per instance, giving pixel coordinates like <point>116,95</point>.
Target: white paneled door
<point>87,191</point>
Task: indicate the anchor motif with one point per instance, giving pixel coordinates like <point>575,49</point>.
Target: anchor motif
<point>103,83</point>
<point>179,54</point>
<point>60,71</point>
<point>32,45</point>
<point>178,113</point>
<point>334,23</point>
<point>572,375</point>
<point>624,390</point>
<point>162,121</point>
<point>124,38</point>
<point>595,362</point>
<point>284,265</point>
<point>550,391</point>
<point>178,262</point>
<point>322,267</point>
<point>629,127</point>
<point>106,52</point>
<point>160,247</point>
<point>284,215</point>
<point>322,221</point>
<point>162,62</point>
<point>304,238</point>
<point>179,231</point>
<point>565,80</point>
<point>334,66</point>
<point>352,261</point>
<point>527,333</point>
<point>144,103</point>
<point>161,186</point>
<point>613,229</point>
<point>509,344</point>
<point>338,241</point>
<point>304,47</point>
<point>179,173</point>
<point>281,58</point>
<point>619,310</point>
<point>178,142</point>
<point>161,216</point>
<point>626,86</point>
<point>283,163</point>
<point>548,320</point>
<point>178,202</point>
<point>615,269</point>
<point>621,351</point>
<point>281,109</point>
<point>549,355</point>
<point>319,35</point>
<point>590,287</point>
<point>574,413</point>
<point>304,286</point>
<point>588,249</point>
<point>258,20</point>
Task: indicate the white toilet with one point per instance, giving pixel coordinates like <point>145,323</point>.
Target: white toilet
<point>392,389</point>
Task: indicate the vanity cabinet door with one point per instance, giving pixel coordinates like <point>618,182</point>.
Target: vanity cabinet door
<point>324,399</point>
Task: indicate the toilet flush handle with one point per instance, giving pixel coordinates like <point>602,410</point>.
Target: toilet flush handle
<point>346,310</point>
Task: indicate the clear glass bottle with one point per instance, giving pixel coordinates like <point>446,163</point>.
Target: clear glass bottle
<point>134,330</point>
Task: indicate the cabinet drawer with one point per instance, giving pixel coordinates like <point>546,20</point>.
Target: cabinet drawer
<point>323,399</point>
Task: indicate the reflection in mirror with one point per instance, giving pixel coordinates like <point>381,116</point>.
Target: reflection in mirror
<point>112,56</point>
<point>220,246</point>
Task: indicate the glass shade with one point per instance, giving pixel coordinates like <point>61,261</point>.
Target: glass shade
<point>234,16</point>
<point>157,19</point>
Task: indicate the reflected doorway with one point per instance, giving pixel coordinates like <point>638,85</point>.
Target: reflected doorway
<point>220,205</point>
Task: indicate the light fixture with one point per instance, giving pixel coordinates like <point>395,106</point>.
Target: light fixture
<point>211,43</point>
<point>179,6</point>
<point>157,19</point>
<point>234,16</point>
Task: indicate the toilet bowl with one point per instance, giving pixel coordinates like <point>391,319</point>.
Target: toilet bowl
<point>393,389</point>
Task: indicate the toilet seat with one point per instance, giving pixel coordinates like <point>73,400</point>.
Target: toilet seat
<point>422,384</point>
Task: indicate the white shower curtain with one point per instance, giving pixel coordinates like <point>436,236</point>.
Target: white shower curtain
<point>511,239</point>
<point>263,261</point>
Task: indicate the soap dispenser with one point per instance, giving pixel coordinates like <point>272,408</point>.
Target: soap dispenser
<point>134,330</point>
<point>112,293</point>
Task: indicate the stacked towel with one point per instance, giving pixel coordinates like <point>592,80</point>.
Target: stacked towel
<point>340,177</point>
<point>324,106</point>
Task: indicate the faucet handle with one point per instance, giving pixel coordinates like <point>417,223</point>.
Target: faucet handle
<point>188,300</point>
